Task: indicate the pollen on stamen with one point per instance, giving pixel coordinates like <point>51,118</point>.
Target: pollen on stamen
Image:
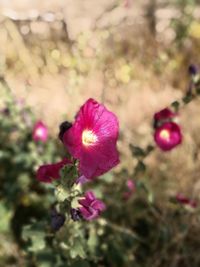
<point>89,138</point>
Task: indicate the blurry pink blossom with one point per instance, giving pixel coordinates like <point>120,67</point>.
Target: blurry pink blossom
<point>91,206</point>
<point>40,132</point>
<point>127,3</point>
<point>168,136</point>
<point>185,200</point>
<point>92,139</point>
<point>131,187</point>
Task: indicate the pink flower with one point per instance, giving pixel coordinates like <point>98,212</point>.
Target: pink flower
<point>130,188</point>
<point>92,139</point>
<point>91,206</point>
<point>186,201</point>
<point>164,115</point>
<point>127,3</point>
<point>49,172</point>
<point>40,132</point>
<point>168,136</point>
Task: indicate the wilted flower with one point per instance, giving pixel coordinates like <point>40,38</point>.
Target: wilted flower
<point>47,173</point>
<point>168,136</point>
<point>64,126</point>
<point>193,69</point>
<point>91,206</point>
<point>40,132</point>
<point>75,214</point>
<point>92,139</point>
<point>164,115</point>
<point>57,220</point>
<point>130,185</point>
<point>185,200</point>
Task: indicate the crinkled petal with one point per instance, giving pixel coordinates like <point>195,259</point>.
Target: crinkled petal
<point>98,205</point>
<point>85,213</point>
<point>101,155</point>
<point>89,195</point>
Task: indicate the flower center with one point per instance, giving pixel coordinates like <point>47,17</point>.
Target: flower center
<point>165,134</point>
<point>40,132</point>
<point>88,138</point>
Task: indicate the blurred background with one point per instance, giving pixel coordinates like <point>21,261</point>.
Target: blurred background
<point>133,56</point>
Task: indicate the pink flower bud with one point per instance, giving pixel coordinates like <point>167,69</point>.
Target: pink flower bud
<point>40,132</point>
<point>49,172</point>
<point>91,206</point>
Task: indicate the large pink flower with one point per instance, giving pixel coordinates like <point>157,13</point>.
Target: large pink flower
<point>49,172</point>
<point>40,132</point>
<point>91,206</point>
<point>168,136</point>
<point>92,139</point>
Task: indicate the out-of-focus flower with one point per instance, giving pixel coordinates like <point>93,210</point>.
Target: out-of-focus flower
<point>127,3</point>
<point>193,69</point>
<point>40,132</point>
<point>5,111</point>
<point>130,185</point>
<point>91,206</point>
<point>63,128</point>
<point>186,201</point>
<point>92,139</point>
<point>49,172</point>
<point>57,220</point>
<point>168,136</point>
<point>164,115</point>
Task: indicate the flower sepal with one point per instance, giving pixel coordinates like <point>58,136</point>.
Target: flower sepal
<point>68,176</point>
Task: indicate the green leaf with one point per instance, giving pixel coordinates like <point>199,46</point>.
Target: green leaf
<point>175,105</point>
<point>77,250</point>
<point>5,215</point>
<point>68,176</point>
<point>140,167</point>
<point>61,193</point>
<point>35,236</point>
<point>92,240</point>
<point>137,151</point>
